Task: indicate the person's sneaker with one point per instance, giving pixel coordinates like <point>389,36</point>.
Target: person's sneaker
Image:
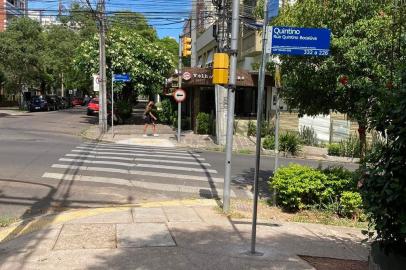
<point>145,135</point>
<point>156,135</point>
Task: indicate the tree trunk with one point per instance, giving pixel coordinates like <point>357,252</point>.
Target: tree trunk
<point>42,88</point>
<point>363,139</point>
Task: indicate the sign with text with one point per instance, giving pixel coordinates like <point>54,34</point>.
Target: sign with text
<point>96,83</point>
<point>273,8</point>
<point>299,41</point>
<point>122,77</point>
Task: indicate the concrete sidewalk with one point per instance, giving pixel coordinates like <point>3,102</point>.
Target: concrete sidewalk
<point>5,111</point>
<point>187,234</point>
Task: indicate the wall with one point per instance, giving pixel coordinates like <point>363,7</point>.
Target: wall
<point>2,14</point>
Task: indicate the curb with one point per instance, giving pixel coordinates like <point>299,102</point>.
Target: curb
<point>27,226</point>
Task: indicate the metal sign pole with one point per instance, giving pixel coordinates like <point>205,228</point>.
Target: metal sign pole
<point>261,84</point>
<point>277,119</point>
<point>112,104</point>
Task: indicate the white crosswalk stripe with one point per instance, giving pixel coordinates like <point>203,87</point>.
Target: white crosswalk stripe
<point>152,168</point>
<point>138,154</point>
<point>141,165</point>
<point>108,149</point>
<point>140,159</point>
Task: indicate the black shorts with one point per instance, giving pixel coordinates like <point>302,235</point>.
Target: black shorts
<point>148,120</point>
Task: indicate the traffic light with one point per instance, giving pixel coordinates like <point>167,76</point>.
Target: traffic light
<point>221,64</point>
<point>187,46</point>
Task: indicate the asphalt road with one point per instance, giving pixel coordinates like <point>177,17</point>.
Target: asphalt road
<point>46,166</point>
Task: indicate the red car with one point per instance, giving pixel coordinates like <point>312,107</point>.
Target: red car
<point>93,106</point>
<point>77,101</point>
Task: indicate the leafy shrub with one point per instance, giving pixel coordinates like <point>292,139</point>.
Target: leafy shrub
<point>252,128</point>
<point>350,147</point>
<point>384,179</point>
<point>333,149</point>
<point>269,142</point>
<point>166,111</point>
<point>289,142</point>
<point>338,180</point>
<point>123,109</point>
<point>267,129</point>
<point>308,136</point>
<point>203,123</point>
<point>298,186</point>
<point>350,204</point>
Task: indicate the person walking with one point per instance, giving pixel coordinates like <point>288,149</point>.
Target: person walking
<point>149,119</point>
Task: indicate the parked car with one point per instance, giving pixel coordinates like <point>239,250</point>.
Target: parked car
<point>93,106</point>
<point>38,103</point>
<point>66,102</point>
<point>76,101</point>
<point>60,105</point>
<point>52,103</point>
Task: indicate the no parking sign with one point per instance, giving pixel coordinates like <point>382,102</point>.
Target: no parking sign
<point>179,95</point>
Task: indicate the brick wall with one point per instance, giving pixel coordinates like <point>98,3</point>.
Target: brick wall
<point>2,14</point>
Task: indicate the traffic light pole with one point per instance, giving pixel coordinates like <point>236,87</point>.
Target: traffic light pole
<point>180,86</point>
<point>235,25</point>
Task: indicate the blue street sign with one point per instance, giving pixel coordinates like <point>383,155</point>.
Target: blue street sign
<point>273,8</point>
<point>299,41</point>
<point>122,77</point>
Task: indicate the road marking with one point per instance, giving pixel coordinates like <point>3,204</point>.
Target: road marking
<point>97,162</point>
<point>135,151</point>
<point>144,173</point>
<point>138,155</point>
<point>140,159</point>
<point>136,183</point>
<point>129,147</point>
<point>102,157</point>
<point>94,169</point>
<point>141,165</point>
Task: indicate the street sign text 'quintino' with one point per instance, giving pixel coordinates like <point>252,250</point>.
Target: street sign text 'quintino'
<point>299,41</point>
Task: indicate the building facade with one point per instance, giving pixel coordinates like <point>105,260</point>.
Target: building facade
<point>10,9</point>
<point>44,20</point>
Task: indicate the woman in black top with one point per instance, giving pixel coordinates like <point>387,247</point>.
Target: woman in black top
<point>149,119</point>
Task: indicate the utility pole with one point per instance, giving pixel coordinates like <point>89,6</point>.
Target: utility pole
<point>179,86</point>
<point>235,26</point>
<point>102,69</point>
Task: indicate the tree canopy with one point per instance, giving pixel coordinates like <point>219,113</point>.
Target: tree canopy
<point>128,52</point>
<point>361,60</point>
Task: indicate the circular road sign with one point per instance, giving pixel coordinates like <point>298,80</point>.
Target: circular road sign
<point>186,76</point>
<point>179,95</point>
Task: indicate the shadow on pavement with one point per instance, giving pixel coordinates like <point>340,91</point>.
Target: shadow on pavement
<point>192,246</point>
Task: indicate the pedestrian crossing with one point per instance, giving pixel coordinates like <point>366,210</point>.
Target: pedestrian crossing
<point>161,169</point>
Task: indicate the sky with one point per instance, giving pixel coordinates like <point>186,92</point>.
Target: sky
<point>167,16</point>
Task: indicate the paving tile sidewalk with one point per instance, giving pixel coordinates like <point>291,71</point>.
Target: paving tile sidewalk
<point>175,237</point>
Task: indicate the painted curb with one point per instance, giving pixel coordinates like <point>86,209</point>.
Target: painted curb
<point>24,227</point>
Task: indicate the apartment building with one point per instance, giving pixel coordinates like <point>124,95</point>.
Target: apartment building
<point>44,20</point>
<point>10,9</point>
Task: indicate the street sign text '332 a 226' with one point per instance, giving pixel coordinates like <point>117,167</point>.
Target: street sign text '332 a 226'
<point>299,41</point>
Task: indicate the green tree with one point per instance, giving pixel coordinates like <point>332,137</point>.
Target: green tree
<point>171,46</point>
<point>21,51</point>
<point>127,53</point>
<point>59,54</point>
<point>134,21</point>
<point>361,58</point>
